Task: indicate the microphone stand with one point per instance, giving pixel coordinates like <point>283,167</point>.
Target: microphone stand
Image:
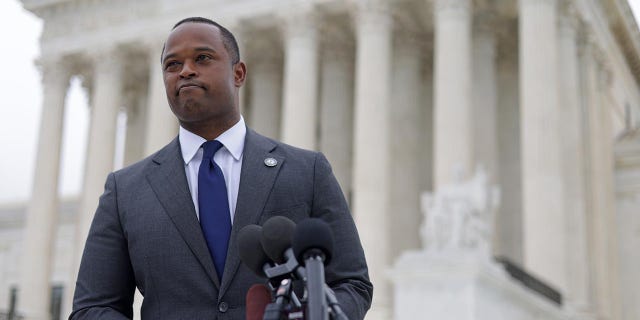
<point>334,305</point>
<point>316,298</point>
<point>275,310</point>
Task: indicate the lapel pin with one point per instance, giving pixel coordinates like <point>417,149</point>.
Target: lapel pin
<point>270,162</point>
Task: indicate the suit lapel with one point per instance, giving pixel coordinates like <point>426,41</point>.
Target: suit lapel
<point>256,181</point>
<point>169,182</point>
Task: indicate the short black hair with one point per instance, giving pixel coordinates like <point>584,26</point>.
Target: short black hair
<point>228,40</point>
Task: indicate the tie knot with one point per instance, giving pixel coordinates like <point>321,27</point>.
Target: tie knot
<point>210,148</point>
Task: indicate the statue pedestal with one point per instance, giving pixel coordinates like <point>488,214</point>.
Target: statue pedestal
<point>462,286</point>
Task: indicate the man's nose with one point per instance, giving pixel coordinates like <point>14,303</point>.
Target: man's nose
<point>188,70</point>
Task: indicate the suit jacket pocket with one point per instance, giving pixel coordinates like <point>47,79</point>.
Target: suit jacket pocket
<point>296,213</point>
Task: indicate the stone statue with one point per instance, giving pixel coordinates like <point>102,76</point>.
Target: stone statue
<point>459,216</point>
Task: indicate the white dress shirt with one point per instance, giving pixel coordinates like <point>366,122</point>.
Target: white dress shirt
<point>229,158</point>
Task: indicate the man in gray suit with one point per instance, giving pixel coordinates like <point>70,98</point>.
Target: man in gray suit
<point>147,231</point>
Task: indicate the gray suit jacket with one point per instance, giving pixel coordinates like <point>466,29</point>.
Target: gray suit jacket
<point>145,234</point>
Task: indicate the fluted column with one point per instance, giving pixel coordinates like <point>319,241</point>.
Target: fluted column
<point>300,92</point>
<point>406,141</point>
<point>42,211</point>
<point>336,105</point>
<point>371,144</point>
<point>265,77</point>
<point>573,162</point>
<point>162,125</point>
<point>106,93</point>
<point>484,90</point>
<point>453,148</point>
<point>542,183</point>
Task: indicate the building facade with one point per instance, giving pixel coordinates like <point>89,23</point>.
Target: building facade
<point>403,96</point>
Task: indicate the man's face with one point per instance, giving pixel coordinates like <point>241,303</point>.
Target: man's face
<point>199,78</point>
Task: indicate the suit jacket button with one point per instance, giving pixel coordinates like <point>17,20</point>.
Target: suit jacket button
<point>223,307</point>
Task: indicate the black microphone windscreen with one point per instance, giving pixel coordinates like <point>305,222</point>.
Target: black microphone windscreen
<point>313,234</point>
<point>277,234</point>
<point>250,249</point>
<point>258,297</point>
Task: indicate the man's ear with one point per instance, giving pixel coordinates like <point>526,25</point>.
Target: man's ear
<point>239,73</point>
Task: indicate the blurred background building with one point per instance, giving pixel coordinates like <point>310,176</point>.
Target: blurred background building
<point>411,101</point>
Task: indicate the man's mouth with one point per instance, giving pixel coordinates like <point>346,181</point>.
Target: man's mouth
<point>188,86</point>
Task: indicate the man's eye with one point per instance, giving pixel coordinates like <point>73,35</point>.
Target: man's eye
<point>202,57</point>
<point>172,65</point>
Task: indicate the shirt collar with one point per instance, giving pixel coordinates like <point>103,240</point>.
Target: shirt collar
<point>232,140</point>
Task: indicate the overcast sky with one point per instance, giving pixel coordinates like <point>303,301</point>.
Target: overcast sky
<point>21,92</point>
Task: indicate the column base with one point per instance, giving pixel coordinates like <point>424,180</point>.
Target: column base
<point>463,286</point>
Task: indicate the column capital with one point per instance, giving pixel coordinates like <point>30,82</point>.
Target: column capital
<point>299,20</point>
<point>261,51</point>
<point>589,46</point>
<point>452,5</point>
<point>537,2</point>
<point>569,19</point>
<point>105,60</point>
<point>372,15</point>
<point>486,21</point>
<point>54,71</point>
<point>412,43</point>
<point>336,40</point>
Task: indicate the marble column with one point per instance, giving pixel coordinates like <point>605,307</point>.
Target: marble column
<point>300,92</point>
<point>406,141</point>
<point>453,147</point>
<point>237,27</point>
<point>371,187</point>
<point>265,77</point>
<point>336,104</point>
<point>484,113</point>
<point>602,242</point>
<point>106,92</point>
<point>573,162</point>
<point>509,239</point>
<point>162,125</point>
<point>628,222</point>
<point>542,176</point>
<point>42,210</point>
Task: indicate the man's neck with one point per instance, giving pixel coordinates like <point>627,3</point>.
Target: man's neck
<point>211,129</point>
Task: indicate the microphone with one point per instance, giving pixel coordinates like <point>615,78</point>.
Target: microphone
<point>313,244</point>
<point>277,233</point>
<point>251,252</point>
<point>258,297</point>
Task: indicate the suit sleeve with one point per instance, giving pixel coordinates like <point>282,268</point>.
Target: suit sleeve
<point>105,285</point>
<point>347,273</point>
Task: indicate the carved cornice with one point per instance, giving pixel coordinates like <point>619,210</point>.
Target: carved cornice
<point>626,32</point>
<point>72,17</point>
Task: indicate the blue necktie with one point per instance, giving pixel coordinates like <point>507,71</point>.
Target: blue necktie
<point>215,219</point>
